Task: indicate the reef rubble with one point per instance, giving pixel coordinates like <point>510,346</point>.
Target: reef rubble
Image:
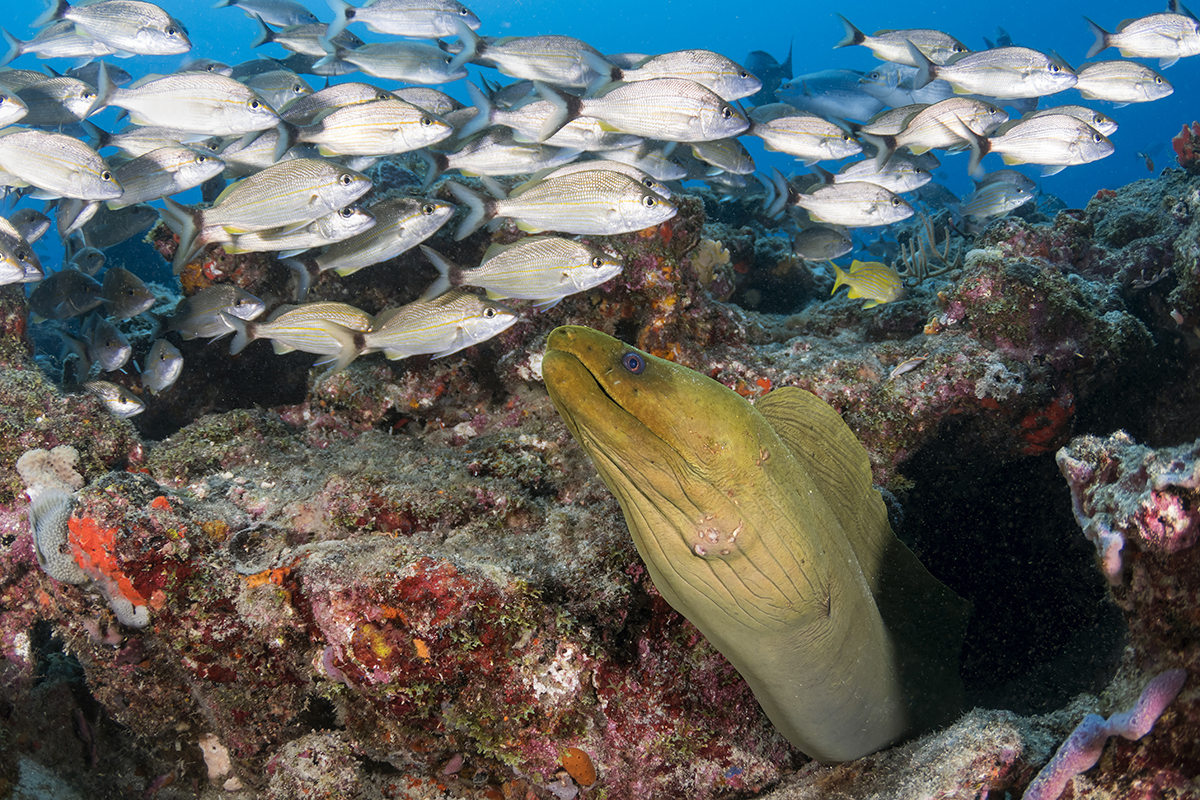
<point>406,581</point>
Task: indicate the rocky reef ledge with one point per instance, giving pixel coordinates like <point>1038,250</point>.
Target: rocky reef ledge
<point>406,581</point>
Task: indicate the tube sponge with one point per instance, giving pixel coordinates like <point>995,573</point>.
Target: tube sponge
<point>1082,748</point>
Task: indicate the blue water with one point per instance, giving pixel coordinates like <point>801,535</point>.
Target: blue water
<point>735,29</point>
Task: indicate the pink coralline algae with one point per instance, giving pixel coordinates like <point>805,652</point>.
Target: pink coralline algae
<point>1185,146</point>
<point>1082,748</point>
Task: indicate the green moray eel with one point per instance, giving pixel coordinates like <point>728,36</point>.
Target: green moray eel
<point>759,524</point>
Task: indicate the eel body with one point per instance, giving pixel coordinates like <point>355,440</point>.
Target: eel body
<point>759,524</point>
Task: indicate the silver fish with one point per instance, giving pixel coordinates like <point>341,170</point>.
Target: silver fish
<point>131,26</point>
<point>304,39</point>
<point>994,199</point>
<point>137,140</point>
<point>305,110</point>
<point>496,152</point>
<point>1097,120</point>
<point>894,86</point>
<point>12,108</point>
<point>278,87</point>
<point>381,127</point>
<point>272,12</point>
<point>287,193</point>
<point>11,270</point>
<point>401,223</point>
<point>647,157</point>
<point>645,179</point>
<point>853,205</point>
<point>899,175</point>
<point>938,126</point>
<point>1008,176</point>
<point>58,165</point>
<point>195,102</point>
<point>938,47</point>
<point>438,327</point>
<point>333,329</point>
<point>410,62</point>
<point>57,101</point>
<point>558,60</point>
<point>659,108</point>
<point>20,253</point>
<point>162,172</point>
<point>341,224</point>
<point>725,77</point>
<point>431,100</point>
<point>544,269</point>
<point>529,119</point>
<point>726,155</point>
<point>1121,82</point>
<point>56,40</point>
<point>830,93</point>
<point>124,294</point>
<point>119,401</point>
<point>200,316</point>
<point>420,19</point>
<point>595,202</point>
<point>163,366</point>
<point>1055,141</point>
<point>1003,72</point>
<point>806,137</point>
<point>1167,37</point>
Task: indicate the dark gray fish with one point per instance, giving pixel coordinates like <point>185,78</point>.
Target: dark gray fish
<point>30,223</point>
<point>124,294</point>
<point>820,243</point>
<point>89,73</point>
<point>64,294</point>
<point>763,66</point>
<point>88,260</point>
<point>109,227</point>
<point>107,346</point>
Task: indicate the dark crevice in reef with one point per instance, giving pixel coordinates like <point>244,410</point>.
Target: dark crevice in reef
<point>1002,535</point>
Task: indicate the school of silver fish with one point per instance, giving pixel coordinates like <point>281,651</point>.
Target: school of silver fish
<point>601,141</point>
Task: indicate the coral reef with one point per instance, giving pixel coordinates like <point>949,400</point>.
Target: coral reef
<point>406,580</point>
<point>1184,144</point>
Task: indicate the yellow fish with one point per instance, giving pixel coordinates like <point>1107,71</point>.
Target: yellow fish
<point>873,280</point>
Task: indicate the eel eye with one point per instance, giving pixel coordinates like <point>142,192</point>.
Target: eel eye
<point>633,362</point>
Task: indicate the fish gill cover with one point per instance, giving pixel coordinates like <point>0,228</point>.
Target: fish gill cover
<point>369,561</point>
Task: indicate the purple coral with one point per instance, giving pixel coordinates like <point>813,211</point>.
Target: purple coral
<point>1082,748</point>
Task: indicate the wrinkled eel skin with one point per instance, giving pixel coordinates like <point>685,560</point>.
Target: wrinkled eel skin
<point>759,524</point>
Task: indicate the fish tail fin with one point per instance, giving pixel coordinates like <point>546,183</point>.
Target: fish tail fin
<point>786,66</point>
<point>340,18</point>
<point>265,34</point>
<point>565,109</point>
<point>483,112</point>
<point>351,348</point>
<point>182,220</point>
<point>606,73</point>
<point>841,278</point>
<point>105,88</point>
<point>222,3</point>
<point>303,276</point>
<point>979,144</point>
<point>97,136</point>
<point>242,332</point>
<point>447,272</point>
<point>853,35</point>
<point>54,11</point>
<point>479,209</point>
<point>825,175</point>
<point>777,194</point>
<point>14,47</point>
<point>435,163</point>
<point>1101,35</point>
<point>926,70</point>
<point>471,45</point>
<point>885,147</point>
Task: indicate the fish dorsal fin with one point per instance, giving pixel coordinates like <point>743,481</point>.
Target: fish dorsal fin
<point>496,249</point>
<point>926,620</point>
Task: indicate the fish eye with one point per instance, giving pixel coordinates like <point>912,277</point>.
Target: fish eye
<point>464,10</point>
<point>21,255</point>
<point>633,362</point>
<point>743,74</point>
<point>958,48</point>
<point>106,175</point>
<point>896,202</point>
<point>1097,138</point>
<point>597,262</point>
<point>1054,69</point>
<point>428,209</point>
<point>254,104</point>
<point>727,112</point>
<point>649,202</point>
<point>297,88</point>
<point>92,95</point>
<point>489,312</point>
<point>345,179</point>
<point>346,213</point>
<point>1158,80</point>
<point>383,96</point>
<point>201,159</point>
<point>426,122</point>
<point>171,31</point>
